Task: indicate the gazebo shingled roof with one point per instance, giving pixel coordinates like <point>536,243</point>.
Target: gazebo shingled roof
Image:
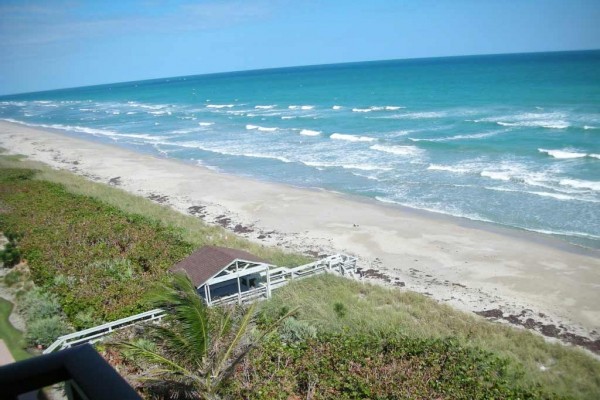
<point>208,261</point>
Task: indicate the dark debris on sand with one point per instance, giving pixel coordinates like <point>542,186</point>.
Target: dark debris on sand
<point>549,330</point>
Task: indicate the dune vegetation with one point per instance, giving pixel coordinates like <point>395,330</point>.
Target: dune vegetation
<point>99,250</point>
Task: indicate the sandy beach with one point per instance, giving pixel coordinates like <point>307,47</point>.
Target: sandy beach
<point>519,277</point>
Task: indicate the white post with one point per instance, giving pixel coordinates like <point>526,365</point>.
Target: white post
<point>209,300</point>
<point>268,283</point>
<point>237,271</point>
<point>206,294</point>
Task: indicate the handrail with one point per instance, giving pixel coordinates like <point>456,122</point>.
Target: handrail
<point>104,329</point>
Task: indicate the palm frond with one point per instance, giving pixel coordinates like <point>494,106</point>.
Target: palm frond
<point>227,372</point>
<point>187,310</point>
<point>155,358</point>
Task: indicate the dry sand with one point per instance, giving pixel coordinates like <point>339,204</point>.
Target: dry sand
<point>524,278</point>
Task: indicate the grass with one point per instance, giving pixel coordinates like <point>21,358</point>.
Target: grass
<point>379,311</point>
<point>11,336</point>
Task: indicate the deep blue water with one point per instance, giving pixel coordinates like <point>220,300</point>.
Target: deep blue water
<point>511,139</point>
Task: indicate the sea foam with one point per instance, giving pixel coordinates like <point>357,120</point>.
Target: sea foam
<point>309,132</point>
<point>260,128</point>
<point>398,150</point>
<point>219,106</point>
<point>563,154</point>
<point>351,138</point>
<point>581,184</point>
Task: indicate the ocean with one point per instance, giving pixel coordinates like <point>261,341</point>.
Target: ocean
<point>509,139</point>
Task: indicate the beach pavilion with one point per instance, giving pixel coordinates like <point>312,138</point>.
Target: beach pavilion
<point>221,274</point>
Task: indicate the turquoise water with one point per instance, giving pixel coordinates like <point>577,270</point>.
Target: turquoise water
<point>511,139</point>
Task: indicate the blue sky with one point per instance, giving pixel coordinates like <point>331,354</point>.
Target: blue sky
<point>55,44</point>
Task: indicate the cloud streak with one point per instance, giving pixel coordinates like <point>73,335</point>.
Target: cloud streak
<point>35,25</point>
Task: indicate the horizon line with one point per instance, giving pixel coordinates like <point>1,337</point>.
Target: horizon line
<point>292,67</point>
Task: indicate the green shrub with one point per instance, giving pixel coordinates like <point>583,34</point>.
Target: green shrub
<point>340,309</point>
<point>119,269</point>
<point>293,330</point>
<point>45,331</point>
<point>12,278</point>
<point>11,255</point>
<point>37,304</point>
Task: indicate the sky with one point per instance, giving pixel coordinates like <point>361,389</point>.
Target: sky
<point>52,44</point>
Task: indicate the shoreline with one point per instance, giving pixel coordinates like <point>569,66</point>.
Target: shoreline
<point>513,275</point>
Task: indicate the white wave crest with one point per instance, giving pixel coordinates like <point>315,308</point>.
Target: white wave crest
<point>587,127</point>
<point>415,115</point>
<point>265,107</point>
<point>351,138</point>
<point>206,123</point>
<point>337,107</point>
<point>260,128</point>
<point>554,120</point>
<point>147,106</point>
<point>497,175</point>
<point>309,132</point>
<point>288,117</point>
<point>377,108</point>
<point>228,152</point>
<point>540,124</point>
<point>362,167</point>
<point>563,154</point>
<point>90,131</point>
<point>218,106</point>
<point>457,137</point>
<point>301,107</point>
<point>556,196</point>
<point>448,168</point>
<point>398,150</point>
<point>580,184</point>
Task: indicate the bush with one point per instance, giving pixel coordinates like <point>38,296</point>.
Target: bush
<point>36,304</point>
<point>294,330</point>
<point>12,278</point>
<point>11,255</point>
<point>43,317</point>
<point>340,310</point>
<point>45,331</point>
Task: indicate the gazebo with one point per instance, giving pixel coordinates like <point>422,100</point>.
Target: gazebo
<point>220,274</point>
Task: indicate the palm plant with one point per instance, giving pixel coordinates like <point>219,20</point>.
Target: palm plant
<point>197,348</point>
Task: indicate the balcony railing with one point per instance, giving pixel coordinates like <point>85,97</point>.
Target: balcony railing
<point>87,376</point>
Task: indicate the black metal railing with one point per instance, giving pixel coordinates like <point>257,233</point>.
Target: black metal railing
<point>86,374</point>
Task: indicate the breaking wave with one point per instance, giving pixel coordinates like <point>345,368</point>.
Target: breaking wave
<point>351,138</point>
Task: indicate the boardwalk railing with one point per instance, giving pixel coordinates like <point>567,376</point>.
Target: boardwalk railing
<point>96,333</point>
<point>339,264</point>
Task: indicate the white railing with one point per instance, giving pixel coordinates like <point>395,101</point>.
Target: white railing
<point>94,334</point>
<point>339,263</point>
